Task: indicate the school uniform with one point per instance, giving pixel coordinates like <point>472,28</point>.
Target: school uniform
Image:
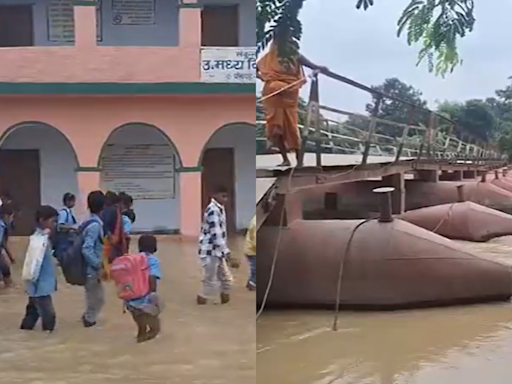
<point>213,250</point>
<point>127,228</point>
<point>40,304</point>
<point>92,250</point>
<point>145,310</point>
<point>5,268</point>
<point>67,217</point>
<point>64,238</point>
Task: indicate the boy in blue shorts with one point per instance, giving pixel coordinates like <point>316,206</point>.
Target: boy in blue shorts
<point>146,310</point>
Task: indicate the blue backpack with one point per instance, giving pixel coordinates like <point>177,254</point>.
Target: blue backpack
<point>72,260</point>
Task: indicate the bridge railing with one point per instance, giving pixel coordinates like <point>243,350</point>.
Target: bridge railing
<point>369,135</point>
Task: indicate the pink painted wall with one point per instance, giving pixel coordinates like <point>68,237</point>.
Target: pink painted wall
<point>88,121</point>
<point>86,62</point>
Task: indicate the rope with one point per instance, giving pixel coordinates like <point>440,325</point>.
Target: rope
<point>310,76</point>
<point>449,213</point>
<point>263,98</point>
<point>340,275</point>
<point>276,251</point>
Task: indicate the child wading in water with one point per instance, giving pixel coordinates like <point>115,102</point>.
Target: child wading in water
<point>6,217</point>
<point>92,250</point>
<point>40,291</point>
<point>146,309</point>
<point>213,249</point>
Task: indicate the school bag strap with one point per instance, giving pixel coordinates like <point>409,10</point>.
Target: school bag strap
<point>86,223</point>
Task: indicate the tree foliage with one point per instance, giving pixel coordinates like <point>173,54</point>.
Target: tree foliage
<point>395,110</point>
<point>475,117</point>
<point>435,24</point>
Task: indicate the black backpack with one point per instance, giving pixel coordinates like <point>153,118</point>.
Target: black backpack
<point>72,260</point>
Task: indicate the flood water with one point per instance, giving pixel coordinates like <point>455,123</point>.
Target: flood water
<point>458,345</point>
<point>198,345</point>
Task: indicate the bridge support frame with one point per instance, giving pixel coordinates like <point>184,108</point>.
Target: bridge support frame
<point>427,175</point>
<point>397,181</point>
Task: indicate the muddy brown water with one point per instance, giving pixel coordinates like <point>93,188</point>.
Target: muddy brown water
<point>458,345</point>
<point>198,345</point>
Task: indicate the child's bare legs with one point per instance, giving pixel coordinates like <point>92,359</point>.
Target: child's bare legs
<point>154,326</point>
<point>138,317</point>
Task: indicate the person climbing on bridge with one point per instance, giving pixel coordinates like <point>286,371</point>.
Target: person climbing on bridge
<point>282,82</point>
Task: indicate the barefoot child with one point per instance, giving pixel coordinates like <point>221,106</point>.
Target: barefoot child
<point>6,217</point>
<point>146,309</point>
<point>40,291</point>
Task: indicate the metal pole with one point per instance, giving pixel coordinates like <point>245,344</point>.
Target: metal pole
<point>371,130</point>
<point>385,204</point>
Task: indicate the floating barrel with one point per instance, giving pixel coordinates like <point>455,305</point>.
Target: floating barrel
<point>464,220</point>
<point>503,183</point>
<point>385,265</point>
<point>421,194</point>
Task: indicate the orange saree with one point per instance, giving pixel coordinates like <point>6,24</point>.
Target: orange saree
<point>281,109</point>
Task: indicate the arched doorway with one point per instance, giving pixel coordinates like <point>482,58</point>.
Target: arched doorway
<point>229,158</point>
<point>141,160</point>
<point>37,166</point>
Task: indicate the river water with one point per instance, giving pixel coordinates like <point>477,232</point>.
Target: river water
<point>458,345</point>
<point>213,344</point>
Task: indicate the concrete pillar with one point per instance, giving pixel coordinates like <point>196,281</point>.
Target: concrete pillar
<point>445,176</point>
<point>190,215</point>
<point>88,180</point>
<point>456,176</point>
<point>84,13</point>
<point>425,175</point>
<point>468,174</point>
<point>190,24</point>
<point>396,181</point>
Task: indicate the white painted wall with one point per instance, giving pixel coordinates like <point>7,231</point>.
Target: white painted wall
<point>152,215</point>
<point>164,33</point>
<point>56,156</point>
<point>241,137</point>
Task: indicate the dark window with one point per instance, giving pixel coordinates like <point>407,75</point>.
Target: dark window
<point>219,26</point>
<point>16,26</point>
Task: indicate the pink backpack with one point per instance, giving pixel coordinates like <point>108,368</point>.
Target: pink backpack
<point>130,274</point>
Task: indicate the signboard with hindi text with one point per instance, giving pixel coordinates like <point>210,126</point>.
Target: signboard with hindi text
<point>133,12</point>
<point>144,171</point>
<point>228,64</point>
<point>61,21</point>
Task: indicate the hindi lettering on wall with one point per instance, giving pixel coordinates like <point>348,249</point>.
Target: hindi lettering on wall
<point>61,21</point>
<point>144,171</point>
<point>228,65</point>
<point>133,12</point>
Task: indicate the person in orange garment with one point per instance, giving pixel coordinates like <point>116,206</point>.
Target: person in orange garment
<point>281,109</point>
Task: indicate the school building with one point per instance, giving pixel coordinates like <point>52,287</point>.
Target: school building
<point>153,97</point>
